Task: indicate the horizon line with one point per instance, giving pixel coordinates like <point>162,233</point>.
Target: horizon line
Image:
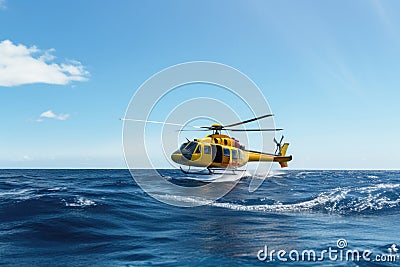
<point>294,169</point>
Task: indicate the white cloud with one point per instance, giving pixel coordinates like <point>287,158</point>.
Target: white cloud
<point>20,64</point>
<point>3,4</point>
<point>51,115</point>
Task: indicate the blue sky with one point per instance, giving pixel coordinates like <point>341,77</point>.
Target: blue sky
<point>329,70</point>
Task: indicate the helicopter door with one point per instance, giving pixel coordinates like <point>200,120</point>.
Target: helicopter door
<point>217,153</point>
<point>227,157</point>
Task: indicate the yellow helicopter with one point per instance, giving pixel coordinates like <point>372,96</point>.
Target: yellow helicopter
<point>221,152</point>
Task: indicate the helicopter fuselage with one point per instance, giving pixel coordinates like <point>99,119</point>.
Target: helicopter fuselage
<point>221,151</point>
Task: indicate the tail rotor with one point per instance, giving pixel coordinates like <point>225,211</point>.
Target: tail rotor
<point>278,146</point>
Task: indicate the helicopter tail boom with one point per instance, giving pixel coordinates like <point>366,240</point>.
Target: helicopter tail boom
<point>282,153</point>
<point>281,158</point>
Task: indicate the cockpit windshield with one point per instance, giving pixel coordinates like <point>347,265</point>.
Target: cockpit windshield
<point>187,149</point>
<point>183,145</point>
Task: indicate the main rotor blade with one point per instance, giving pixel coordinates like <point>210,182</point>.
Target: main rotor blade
<point>206,127</point>
<point>250,120</point>
<point>252,130</point>
<point>197,130</point>
<point>158,122</point>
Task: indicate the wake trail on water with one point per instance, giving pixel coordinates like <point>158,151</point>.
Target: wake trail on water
<point>214,178</point>
<point>232,177</point>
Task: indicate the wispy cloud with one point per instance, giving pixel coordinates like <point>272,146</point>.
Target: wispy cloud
<point>20,65</point>
<point>3,4</point>
<point>381,11</point>
<point>27,158</point>
<point>386,15</point>
<point>49,114</point>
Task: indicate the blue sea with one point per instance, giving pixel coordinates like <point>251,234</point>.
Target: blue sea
<point>103,218</point>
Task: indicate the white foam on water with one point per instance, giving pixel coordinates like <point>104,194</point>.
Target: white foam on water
<point>57,189</point>
<point>268,174</point>
<point>304,173</point>
<point>372,188</point>
<point>319,200</point>
<point>81,202</point>
<point>220,178</point>
<point>372,198</point>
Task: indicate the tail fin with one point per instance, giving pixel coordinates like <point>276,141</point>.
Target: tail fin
<point>283,164</point>
<point>283,150</point>
<point>282,153</point>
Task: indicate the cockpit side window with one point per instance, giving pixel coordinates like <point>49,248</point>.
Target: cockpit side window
<point>234,154</point>
<point>188,150</point>
<point>241,154</point>
<point>207,149</point>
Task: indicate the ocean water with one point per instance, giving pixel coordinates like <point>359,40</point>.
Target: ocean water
<point>102,218</point>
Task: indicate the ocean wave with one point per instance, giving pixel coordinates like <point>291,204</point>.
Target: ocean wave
<point>341,200</point>
<point>21,194</point>
<point>11,176</point>
<point>57,188</point>
<point>98,217</point>
<point>267,174</point>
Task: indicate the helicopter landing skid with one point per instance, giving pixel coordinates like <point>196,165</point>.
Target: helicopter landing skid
<point>212,171</point>
<point>198,172</point>
<point>225,171</point>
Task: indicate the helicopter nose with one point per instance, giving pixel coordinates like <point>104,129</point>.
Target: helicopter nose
<point>177,158</point>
